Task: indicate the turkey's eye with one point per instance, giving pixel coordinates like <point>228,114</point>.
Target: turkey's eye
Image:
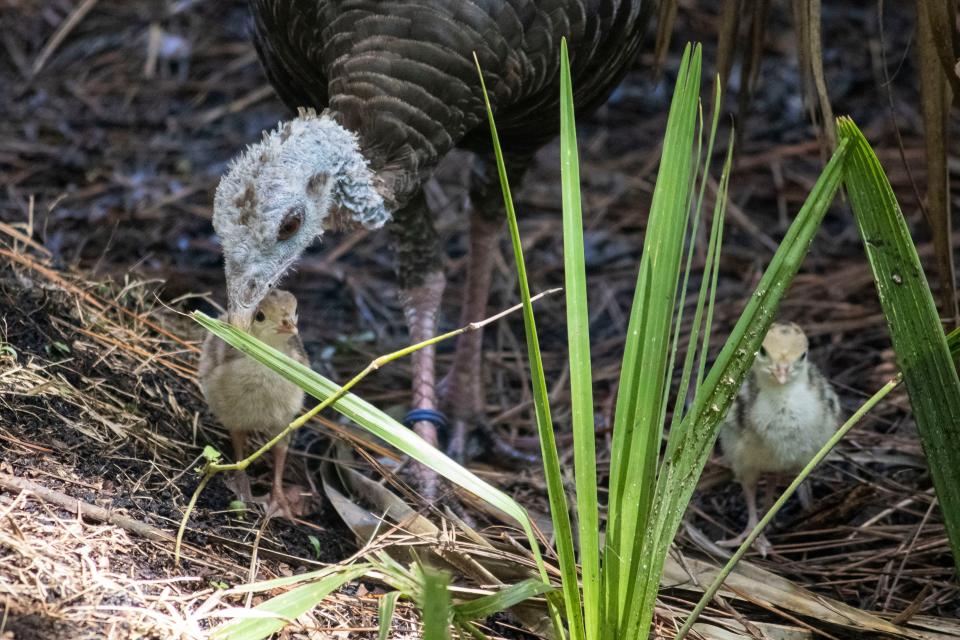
<point>291,223</point>
<point>260,317</point>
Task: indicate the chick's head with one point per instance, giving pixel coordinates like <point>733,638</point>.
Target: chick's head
<point>782,357</point>
<point>276,318</point>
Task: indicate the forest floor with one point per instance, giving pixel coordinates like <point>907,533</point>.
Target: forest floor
<point>118,123</point>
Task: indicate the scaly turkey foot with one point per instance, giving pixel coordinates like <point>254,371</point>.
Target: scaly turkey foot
<point>470,436</point>
<point>475,439</point>
<point>749,486</point>
<point>286,501</point>
<point>290,502</point>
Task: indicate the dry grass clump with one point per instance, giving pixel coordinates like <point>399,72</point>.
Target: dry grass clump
<point>101,423</point>
<point>64,577</point>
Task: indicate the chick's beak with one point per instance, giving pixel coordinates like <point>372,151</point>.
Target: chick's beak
<point>287,325</point>
<point>781,372</point>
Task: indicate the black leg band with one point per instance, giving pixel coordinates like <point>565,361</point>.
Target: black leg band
<point>426,415</point>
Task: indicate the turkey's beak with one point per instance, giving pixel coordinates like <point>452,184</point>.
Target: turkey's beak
<point>240,317</point>
<point>243,296</point>
<point>781,372</point>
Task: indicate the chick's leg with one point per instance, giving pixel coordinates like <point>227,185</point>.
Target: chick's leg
<point>750,494</point>
<point>805,494</point>
<point>279,500</point>
<point>762,544</point>
<point>241,481</point>
<point>749,486</point>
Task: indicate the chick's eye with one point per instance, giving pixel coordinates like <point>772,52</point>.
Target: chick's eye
<point>803,356</point>
<point>260,317</point>
<point>763,352</point>
<point>291,223</point>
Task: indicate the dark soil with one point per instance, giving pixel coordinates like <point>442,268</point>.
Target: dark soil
<point>105,472</point>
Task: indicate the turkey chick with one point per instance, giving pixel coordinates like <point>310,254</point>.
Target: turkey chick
<point>785,411</point>
<point>247,396</point>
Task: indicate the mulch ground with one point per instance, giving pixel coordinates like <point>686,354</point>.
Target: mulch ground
<point>119,118</point>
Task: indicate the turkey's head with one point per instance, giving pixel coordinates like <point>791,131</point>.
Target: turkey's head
<point>304,177</point>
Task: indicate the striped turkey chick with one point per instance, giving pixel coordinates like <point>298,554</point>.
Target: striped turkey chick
<point>785,411</point>
<point>246,396</point>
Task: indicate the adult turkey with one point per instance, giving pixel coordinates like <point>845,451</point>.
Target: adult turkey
<point>397,89</point>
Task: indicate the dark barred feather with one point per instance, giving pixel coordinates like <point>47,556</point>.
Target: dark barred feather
<point>401,74</point>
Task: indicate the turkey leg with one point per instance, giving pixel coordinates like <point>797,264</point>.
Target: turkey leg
<point>462,388</point>
<point>463,385</point>
<point>421,304</point>
<point>280,501</point>
<point>416,246</point>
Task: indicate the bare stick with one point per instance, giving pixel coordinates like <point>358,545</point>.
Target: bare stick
<point>86,509</point>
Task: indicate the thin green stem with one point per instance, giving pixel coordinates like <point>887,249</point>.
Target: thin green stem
<point>470,628</point>
<point>719,215</point>
<point>765,520</point>
<point>712,247</point>
<point>186,516</point>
